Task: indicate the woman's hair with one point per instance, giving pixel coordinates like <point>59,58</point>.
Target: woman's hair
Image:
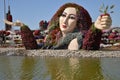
<point>83,19</point>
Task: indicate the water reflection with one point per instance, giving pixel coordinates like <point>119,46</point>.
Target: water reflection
<point>75,69</point>
<point>110,68</point>
<point>9,67</point>
<point>51,68</point>
<point>27,68</point>
<point>33,68</point>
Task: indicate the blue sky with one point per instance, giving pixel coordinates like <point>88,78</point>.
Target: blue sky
<point>31,12</point>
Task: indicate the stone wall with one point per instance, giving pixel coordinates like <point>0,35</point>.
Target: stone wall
<point>58,53</point>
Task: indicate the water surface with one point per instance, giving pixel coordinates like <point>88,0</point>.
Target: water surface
<point>59,68</point>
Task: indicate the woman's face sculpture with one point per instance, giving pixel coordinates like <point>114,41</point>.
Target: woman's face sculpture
<point>68,20</point>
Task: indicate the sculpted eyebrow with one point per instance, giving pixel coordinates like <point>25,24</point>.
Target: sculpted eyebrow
<point>69,14</point>
<point>64,13</point>
<point>73,14</point>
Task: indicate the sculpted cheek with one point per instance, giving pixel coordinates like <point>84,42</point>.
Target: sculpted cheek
<point>72,25</point>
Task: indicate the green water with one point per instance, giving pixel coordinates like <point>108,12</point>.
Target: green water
<point>60,68</point>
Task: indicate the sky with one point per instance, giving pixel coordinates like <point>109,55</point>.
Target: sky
<point>31,12</point>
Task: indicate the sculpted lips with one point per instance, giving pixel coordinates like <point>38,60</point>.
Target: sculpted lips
<point>64,26</point>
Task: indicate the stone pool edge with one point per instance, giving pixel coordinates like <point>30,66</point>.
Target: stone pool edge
<point>57,53</point>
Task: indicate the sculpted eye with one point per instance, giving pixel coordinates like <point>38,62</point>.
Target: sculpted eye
<point>72,17</point>
<point>63,15</point>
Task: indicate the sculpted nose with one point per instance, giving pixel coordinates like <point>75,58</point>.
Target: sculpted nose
<point>65,20</point>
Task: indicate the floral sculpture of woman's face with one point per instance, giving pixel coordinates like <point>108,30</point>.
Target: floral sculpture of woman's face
<point>68,20</point>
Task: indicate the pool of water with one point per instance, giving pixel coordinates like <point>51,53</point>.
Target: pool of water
<point>58,68</point>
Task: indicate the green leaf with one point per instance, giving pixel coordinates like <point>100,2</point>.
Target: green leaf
<point>101,11</point>
<point>106,9</point>
<point>102,7</point>
<point>112,12</point>
<point>112,6</point>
